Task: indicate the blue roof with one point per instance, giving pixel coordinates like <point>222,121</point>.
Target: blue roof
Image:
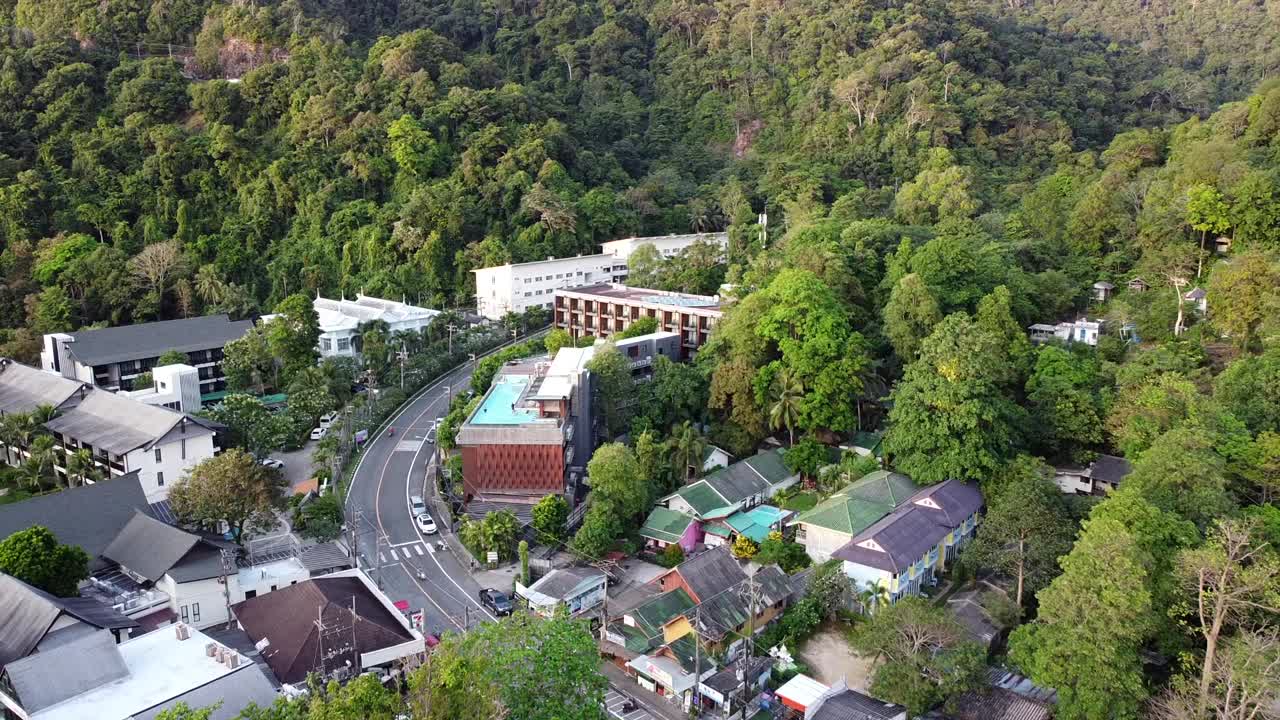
<point>757,522</point>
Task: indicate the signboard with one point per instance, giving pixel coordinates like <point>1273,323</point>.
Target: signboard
<point>492,557</point>
<point>416,619</point>
<point>361,436</point>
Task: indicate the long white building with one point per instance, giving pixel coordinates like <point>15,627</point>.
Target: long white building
<point>516,287</point>
<point>340,320</point>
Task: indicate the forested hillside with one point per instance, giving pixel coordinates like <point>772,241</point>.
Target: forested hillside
<point>393,146</point>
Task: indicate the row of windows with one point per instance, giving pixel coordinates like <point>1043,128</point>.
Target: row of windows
<point>193,616</point>
<point>540,278</point>
<point>344,344</point>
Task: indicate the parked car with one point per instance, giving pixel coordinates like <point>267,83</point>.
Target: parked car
<point>426,524</point>
<point>327,419</point>
<point>319,433</point>
<point>496,601</point>
<point>272,463</point>
<point>416,506</point>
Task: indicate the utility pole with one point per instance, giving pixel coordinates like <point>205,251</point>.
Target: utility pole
<point>695,700</point>
<point>227,558</point>
<point>451,328</point>
<point>403,355</point>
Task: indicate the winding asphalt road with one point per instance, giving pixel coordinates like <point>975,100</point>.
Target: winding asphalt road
<point>408,565</point>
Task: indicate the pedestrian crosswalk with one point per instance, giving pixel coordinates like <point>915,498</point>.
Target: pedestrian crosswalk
<point>407,551</point>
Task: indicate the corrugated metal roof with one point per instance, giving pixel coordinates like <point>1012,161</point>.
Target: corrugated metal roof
<point>148,340</point>
<point>231,693</point>
<point>29,612</point>
<point>119,424</point>
<point>324,556</point>
<point>559,583</point>
<point>665,525</point>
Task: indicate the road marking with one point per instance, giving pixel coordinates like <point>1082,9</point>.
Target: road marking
<point>418,549</point>
<point>408,481</point>
<point>382,558</point>
<point>408,446</point>
<point>431,549</point>
<point>408,542</point>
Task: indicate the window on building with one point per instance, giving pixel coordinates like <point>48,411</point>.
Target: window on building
<point>326,344</point>
<point>160,478</point>
<point>344,344</point>
<point>527,293</point>
<point>195,612</point>
<point>559,275</point>
<point>250,594</point>
<point>183,612</point>
<point>182,448</point>
<point>527,281</point>
<point>158,459</point>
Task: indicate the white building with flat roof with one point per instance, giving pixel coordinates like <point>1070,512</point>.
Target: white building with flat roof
<point>516,287</point>
<point>340,320</point>
<point>668,246</point>
<point>138,679</point>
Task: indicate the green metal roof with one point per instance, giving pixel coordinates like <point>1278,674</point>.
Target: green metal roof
<point>665,525</point>
<point>717,530</point>
<point>702,497</point>
<point>651,616</point>
<point>861,503</point>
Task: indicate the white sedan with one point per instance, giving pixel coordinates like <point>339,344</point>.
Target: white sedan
<point>319,433</point>
<point>426,524</point>
<point>272,463</point>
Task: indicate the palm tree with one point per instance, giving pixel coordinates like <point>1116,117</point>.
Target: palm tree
<point>12,434</point>
<point>687,447</point>
<point>871,595</point>
<point>41,461</point>
<point>81,468</point>
<point>788,391</point>
<point>43,414</point>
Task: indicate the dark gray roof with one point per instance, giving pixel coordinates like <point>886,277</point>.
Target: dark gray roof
<point>49,677</point>
<point>29,612</point>
<point>148,340</point>
<point>730,609</point>
<point>89,516</point>
<point>559,583</point>
<point>325,556</point>
<point>234,691</point>
<point>726,681</point>
<point>23,388</point>
<point>955,500</point>
<point>997,704</point>
<point>120,424</point>
<point>202,562</point>
<point>846,704</point>
<point>710,572</point>
<point>967,608</point>
<point>905,535</point>
<point>1109,469</point>
<point>749,476</point>
<point>149,547</point>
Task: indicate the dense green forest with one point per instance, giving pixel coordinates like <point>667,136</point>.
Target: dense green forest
<point>393,146</point>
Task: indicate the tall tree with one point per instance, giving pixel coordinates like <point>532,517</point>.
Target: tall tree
<point>910,315</point>
<point>615,390</point>
<point>1243,294</point>
<point>232,488</point>
<point>294,334</point>
<point>950,418</point>
<point>1232,576</point>
<point>784,408</point>
<point>1026,529</point>
<point>35,557</point>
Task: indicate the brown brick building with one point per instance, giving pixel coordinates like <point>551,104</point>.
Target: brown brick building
<point>605,309</point>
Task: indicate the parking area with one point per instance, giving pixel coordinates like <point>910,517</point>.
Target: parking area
<point>297,464</point>
<point>614,700</point>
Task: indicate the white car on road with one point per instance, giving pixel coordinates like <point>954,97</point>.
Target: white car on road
<point>319,433</point>
<point>426,524</point>
<point>272,463</point>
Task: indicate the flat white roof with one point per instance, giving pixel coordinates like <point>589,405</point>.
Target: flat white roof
<point>802,690</point>
<point>161,667</point>
<point>551,261</point>
<point>285,569</point>
<point>343,314</point>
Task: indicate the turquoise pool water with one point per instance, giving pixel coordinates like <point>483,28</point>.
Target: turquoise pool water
<point>497,406</point>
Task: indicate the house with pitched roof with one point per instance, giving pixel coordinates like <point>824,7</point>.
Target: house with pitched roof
<point>35,621</point>
<point>1101,476</point>
<point>904,550</point>
<point>698,512</point>
<point>336,625</point>
<point>576,590</point>
<point>159,568</point>
<point>832,523</point>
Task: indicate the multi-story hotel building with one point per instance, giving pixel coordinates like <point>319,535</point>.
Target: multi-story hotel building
<point>603,310</point>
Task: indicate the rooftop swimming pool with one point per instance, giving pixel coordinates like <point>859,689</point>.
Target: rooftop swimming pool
<point>499,408</point>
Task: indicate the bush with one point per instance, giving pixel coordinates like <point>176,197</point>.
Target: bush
<point>789,556</point>
<point>671,556</point>
<point>744,548</point>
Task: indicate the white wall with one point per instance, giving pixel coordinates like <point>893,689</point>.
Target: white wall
<point>862,575</point>
<point>172,462</point>
<point>515,288</point>
<point>1070,482</point>
<point>820,542</point>
<point>208,594</point>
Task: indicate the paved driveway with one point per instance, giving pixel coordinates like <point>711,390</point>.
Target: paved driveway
<point>297,464</point>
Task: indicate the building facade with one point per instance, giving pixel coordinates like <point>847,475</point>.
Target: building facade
<point>113,358</point>
<point>340,321</point>
<point>516,287</point>
<point>603,310</point>
<point>668,246</point>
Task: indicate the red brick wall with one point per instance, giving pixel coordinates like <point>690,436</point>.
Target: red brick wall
<point>672,580</point>
<point>522,469</point>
